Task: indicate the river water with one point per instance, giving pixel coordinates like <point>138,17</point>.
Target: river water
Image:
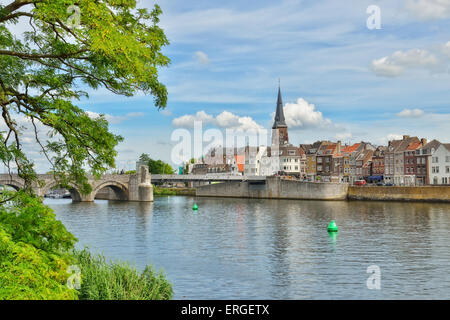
<point>273,249</point>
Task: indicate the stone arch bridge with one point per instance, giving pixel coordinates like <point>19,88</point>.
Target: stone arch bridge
<point>125,187</point>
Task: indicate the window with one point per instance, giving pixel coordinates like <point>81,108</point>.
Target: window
<point>447,169</point>
<point>435,159</point>
<point>444,180</point>
<point>447,159</point>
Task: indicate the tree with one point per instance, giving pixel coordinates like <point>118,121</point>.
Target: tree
<point>110,44</point>
<point>71,47</point>
<point>156,166</point>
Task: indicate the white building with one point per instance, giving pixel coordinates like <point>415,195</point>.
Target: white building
<point>253,156</point>
<point>439,166</point>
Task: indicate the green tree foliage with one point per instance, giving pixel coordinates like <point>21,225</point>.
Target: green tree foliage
<point>110,44</point>
<point>156,166</point>
<point>33,250</point>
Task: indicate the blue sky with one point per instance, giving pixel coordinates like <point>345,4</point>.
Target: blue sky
<point>339,80</point>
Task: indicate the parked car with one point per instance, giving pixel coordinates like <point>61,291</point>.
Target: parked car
<point>380,184</point>
<point>389,184</point>
<point>360,182</point>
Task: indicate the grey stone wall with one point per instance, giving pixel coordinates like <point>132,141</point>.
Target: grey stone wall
<point>276,188</point>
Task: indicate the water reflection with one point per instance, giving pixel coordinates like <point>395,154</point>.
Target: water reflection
<point>273,249</point>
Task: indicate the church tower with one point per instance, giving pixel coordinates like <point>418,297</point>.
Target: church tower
<point>279,128</point>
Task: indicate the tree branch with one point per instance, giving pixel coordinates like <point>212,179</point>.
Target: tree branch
<point>42,56</point>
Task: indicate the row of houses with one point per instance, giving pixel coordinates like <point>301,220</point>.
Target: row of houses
<point>407,161</point>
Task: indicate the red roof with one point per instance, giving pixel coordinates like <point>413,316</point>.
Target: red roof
<point>414,146</point>
<point>350,149</point>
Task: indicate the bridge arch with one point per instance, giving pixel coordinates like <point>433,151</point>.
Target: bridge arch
<point>120,190</point>
<point>17,185</point>
<point>74,192</point>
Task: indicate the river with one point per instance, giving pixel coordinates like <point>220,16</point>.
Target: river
<point>273,249</point>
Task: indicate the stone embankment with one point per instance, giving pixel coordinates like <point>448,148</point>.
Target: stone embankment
<point>276,188</point>
<point>425,193</point>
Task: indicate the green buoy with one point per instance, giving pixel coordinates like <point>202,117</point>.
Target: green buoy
<point>332,227</point>
<point>195,207</point>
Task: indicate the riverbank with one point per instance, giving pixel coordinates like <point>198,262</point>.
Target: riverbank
<point>414,194</point>
<point>160,191</point>
<point>276,188</point>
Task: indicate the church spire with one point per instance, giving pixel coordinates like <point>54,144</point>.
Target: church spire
<point>279,115</point>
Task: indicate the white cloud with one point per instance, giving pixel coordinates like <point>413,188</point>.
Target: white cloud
<point>202,57</point>
<point>116,119</point>
<point>429,9</point>
<point>394,136</point>
<point>410,113</point>
<point>229,120</point>
<point>344,136</point>
<point>401,61</point>
<point>226,120</point>
<point>303,115</point>
<point>187,121</point>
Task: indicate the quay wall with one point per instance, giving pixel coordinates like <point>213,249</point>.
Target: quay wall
<point>276,188</point>
<point>423,193</point>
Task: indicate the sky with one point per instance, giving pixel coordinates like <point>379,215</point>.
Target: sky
<point>340,80</point>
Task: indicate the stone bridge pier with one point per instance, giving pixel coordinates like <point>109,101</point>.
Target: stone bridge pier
<point>124,187</point>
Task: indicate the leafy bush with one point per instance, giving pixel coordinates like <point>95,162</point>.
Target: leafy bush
<point>33,251</point>
<point>158,191</point>
<point>118,281</point>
